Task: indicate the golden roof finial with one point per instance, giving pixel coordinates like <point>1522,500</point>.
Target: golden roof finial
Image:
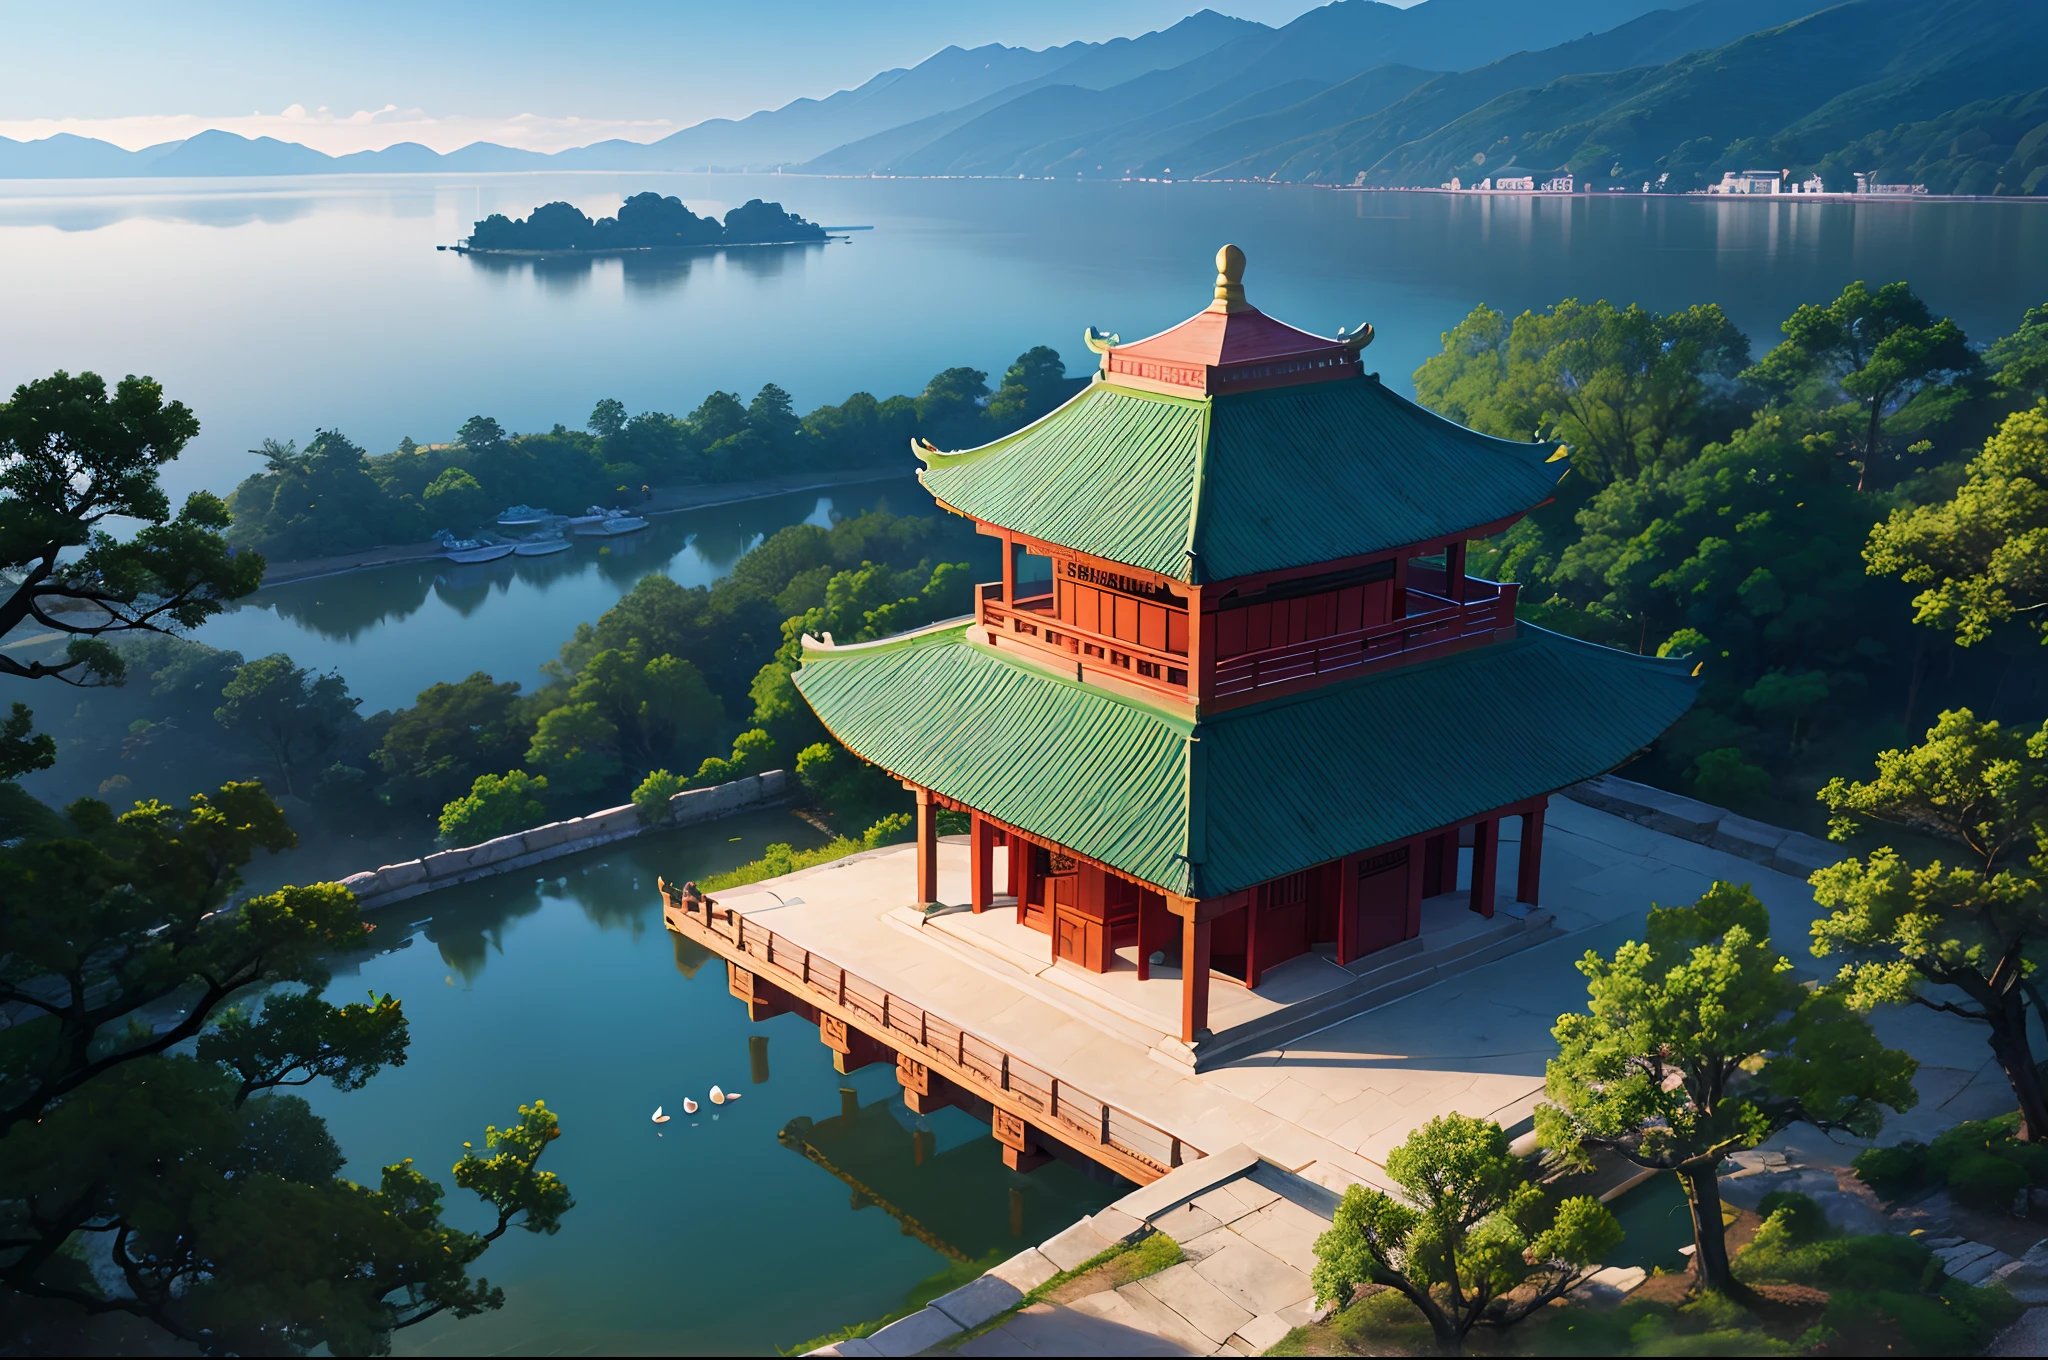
<point>1230,281</point>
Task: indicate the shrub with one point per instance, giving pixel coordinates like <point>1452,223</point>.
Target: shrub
<point>1985,1180</point>
<point>1893,1169</point>
<point>495,805</point>
<point>1803,1219</point>
<point>783,859</point>
<point>1881,1262</point>
<point>1722,776</point>
<point>650,800</point>
<point>897,826</point>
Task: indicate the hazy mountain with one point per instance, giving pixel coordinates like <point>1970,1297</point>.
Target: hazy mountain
<point>1038,129</point>
<point>1990,146</point>
<point>950,79</point>
<point>1317,137</point>
<point>1783,97</point>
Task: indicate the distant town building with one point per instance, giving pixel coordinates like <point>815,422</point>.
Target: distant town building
<point>1812,184</point>
<point>1750,182</point>
<point>1562,184</point>
<point>1516,183</point>
<point>1867,184</point>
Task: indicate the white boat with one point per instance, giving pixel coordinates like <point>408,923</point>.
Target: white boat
<point>541,547</point>
<point>609,524</point>
<point>470,549</point>
<point>523,517</point>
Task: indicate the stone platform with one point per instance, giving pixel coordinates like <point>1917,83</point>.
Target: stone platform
<point>1330,1102</point>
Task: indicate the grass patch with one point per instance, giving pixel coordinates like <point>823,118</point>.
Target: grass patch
<point>1121,1265</point>
<point>781,859</point>
<point>955,1275</point>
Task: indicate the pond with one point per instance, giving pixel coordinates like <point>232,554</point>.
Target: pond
<point>814,1201</point>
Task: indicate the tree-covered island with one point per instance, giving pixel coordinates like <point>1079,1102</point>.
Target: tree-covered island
<point>645,222</point>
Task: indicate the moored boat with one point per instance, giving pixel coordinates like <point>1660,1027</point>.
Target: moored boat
<point>470,549</point>
<point>542,546</point>
<point>524,517</point>
<point>608,524</point>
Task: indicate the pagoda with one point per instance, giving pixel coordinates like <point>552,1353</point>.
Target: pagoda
<point>1235,697</point>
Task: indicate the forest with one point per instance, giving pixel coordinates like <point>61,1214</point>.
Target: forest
<point>646,221</point>
<point>332,496</point>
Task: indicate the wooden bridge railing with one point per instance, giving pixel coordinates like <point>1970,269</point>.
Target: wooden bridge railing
<point>1056,1107</point>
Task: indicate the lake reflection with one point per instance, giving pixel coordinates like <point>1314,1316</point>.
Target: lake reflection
<point>275,306</point>
<point>815,1201</point>
<point>392,631</point>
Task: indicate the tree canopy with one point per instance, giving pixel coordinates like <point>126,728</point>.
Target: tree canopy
<point>72,456</point>
<point>1697,1042</point>
<point>1471,1226</point>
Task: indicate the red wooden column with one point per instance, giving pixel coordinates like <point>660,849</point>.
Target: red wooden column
<point>1194,968</point>
<point>1414,888</point>
<point>981,890</point>
<point>1485,863</point>
<point>1252,967</point>
<point>1013,865</point>
<point>1347,907</point>
<point>1144,942</point>
<point>927,848</point>
<point>1447,861</point>
<point>1529,871</point>
<point>1454,570</point>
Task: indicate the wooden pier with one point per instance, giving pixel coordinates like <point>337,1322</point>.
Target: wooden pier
<point>1032,1113</point>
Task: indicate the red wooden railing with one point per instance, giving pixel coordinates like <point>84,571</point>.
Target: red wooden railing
<point>1432,622</point>
<point>1057,1107</point>
<point>1032,621</point>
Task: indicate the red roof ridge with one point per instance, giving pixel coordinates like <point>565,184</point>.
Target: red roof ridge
<point>1229,346</point>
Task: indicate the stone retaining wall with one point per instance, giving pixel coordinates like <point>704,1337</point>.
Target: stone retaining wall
<point>1789,852</point>
<point>397,882</point>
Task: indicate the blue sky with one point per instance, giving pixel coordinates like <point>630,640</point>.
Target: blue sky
<point>102,67</point>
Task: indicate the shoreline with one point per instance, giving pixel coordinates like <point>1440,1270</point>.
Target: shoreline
<point>672,500</point>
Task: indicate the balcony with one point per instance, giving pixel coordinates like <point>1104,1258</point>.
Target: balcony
<point>1434,624</point>
<point>1032,623</point>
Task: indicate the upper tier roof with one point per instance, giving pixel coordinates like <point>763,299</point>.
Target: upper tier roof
<point>1234,444</point>
<point>1209,488</point>
<point>1206,808</point>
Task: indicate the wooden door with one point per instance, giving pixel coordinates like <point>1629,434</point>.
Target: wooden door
<point>1383,900</point>
<point>1052,883</point>
<point>1079,940</point>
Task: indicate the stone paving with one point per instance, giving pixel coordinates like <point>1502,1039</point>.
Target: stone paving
<point>1247,1232</point>
<point>1330,1105</point>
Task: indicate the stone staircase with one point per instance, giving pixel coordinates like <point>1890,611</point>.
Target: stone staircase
<point>1386,975</point>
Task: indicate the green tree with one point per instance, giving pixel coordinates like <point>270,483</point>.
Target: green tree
<point>1031,387</point>
<point>1983,787</point>
<point>2020,361</point>
<point>481,435</point>
<point>949,409</point>
<point>651,798</point>
<point>1699,1042</point>
<point>456,500</point>
<point>1626,389</point>
<point>1470,1228</point>
<point>659,706</point>
<point>432,751</point>
<point>578,748</point>
<point>1981,557</point>
<point>1876,350</point>
<point>289,711</point>
<point>71,455</point>
<point>607,418</point>
<point>496,805</point>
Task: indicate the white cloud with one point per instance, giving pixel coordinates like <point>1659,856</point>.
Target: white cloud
<point>363,130</point>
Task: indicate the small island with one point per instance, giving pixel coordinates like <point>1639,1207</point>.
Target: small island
<point>645,222</point>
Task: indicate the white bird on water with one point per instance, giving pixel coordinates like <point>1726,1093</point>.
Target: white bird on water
<point>717,1096</point>
<point>659,1117</point>
<point>689,1105</point>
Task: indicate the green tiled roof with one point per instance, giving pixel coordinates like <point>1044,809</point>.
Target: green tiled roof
<point>1203,489</point>
<point>1203,809</point>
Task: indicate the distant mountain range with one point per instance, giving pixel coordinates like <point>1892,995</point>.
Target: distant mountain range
<point>1953,93</point>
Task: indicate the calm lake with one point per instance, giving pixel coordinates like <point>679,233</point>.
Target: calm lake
<point>277,307</point>
<point>273,307</point>
<point>814,1201</point>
